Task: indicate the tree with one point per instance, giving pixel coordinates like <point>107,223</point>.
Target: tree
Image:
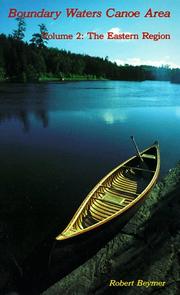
<point>19,33</point>
<point>37,38</point>
<point>2,74</point>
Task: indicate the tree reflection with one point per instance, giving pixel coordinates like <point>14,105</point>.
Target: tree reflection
<point>21,103</point>
<point>43,117</point>
<point>23,116</point>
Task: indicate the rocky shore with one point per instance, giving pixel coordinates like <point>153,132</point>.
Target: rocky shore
<point>147,249</point>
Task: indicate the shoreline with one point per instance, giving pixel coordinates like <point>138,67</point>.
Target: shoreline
<point>82,79</point>
<point>54,79</point>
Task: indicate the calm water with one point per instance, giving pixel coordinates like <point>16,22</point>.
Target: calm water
<point>57,140</point>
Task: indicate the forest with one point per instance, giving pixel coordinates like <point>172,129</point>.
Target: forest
<point>22,61</point>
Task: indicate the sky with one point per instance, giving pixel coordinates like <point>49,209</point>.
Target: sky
<point>134,52</point>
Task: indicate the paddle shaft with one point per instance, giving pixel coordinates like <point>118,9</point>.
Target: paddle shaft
<point>136,147</point>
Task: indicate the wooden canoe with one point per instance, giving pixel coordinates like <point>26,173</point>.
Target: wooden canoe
<point>115,195</point>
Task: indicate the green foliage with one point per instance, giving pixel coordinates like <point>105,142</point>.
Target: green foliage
<point>20,61</point>
<point>37,38</point>
<point>175,76</point>
<point>31,73</point>
<point>18,34</point>
<point>2,74</point>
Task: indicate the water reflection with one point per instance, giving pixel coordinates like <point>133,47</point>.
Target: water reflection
<point>112,116</point>
<point>18,105</point>
<point>109,117</point>
<point>88,116</point>
<point>177,111</point>
<point>23,116</point>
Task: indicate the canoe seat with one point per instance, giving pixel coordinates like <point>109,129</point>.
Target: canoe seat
<point>114,199</point>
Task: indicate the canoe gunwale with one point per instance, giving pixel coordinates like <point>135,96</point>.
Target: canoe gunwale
<point>69,227</point>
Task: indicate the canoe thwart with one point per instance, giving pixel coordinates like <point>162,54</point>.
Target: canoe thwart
<point>148,156</point>
<point>140,169</point>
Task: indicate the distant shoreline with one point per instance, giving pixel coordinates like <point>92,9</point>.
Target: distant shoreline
<point>80,79</point>
<point>54,79</point>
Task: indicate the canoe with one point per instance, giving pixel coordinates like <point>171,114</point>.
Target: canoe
<point>116,194</point>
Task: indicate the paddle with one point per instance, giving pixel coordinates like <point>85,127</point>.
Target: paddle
<point>137,149</point>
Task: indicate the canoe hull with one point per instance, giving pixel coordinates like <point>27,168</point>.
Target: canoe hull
<point>70,253</point>
<point>114,196</point>
<point>107,230</point>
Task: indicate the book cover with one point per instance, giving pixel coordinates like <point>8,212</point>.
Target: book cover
<point>78,81</point>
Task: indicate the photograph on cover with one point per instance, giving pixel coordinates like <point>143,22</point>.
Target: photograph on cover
<point>89,147</point>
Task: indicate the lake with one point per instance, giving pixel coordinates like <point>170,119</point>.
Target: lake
<point>58,139</point>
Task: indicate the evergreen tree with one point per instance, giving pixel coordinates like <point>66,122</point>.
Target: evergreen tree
<point>18,34</point>
<point>37,38</point>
